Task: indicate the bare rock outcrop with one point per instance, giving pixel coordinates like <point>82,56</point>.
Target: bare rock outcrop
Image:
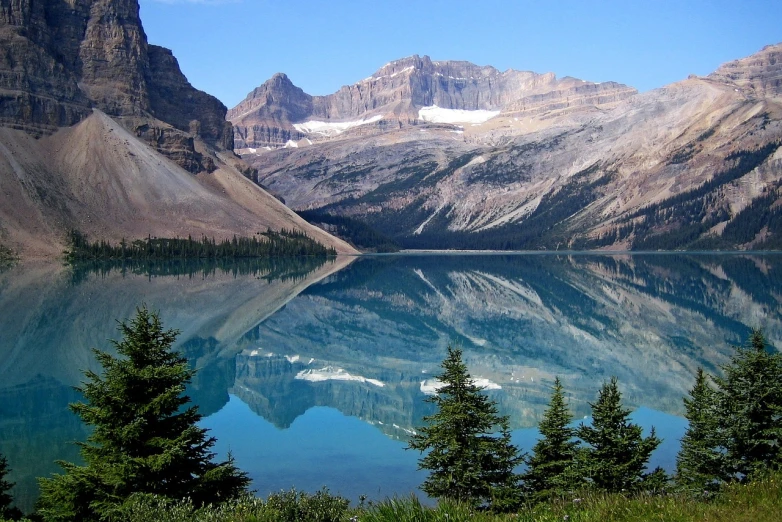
<point>759,74</point>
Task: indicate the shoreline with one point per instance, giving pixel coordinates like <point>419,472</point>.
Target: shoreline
<point>427,252</point>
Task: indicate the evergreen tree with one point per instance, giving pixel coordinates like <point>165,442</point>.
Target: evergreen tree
<point>145,440</point>
<point>699,460</point>
<point>7,512</point>
<point>618,453</point>
<point>750,409</point>
<point>466,458</point>
<point>550,466</point>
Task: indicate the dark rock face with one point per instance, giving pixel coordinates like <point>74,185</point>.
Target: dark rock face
<point>62,58</point>
<point>175,101</point>
<point>38,87</point>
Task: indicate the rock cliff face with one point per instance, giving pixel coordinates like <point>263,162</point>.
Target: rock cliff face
<point>536,162</point>
<point>393,97</point>
<point>63,58</point>
<point>759,74</point>
<point>86,105</point>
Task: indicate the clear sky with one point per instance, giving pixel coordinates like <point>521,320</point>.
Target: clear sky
<point>229,47</point>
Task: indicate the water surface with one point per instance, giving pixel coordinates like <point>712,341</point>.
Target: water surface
<point>314,375</point>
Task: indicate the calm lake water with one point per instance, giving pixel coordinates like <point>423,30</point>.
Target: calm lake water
<point>315,374</point>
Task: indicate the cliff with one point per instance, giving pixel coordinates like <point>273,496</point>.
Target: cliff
<point>64,58</point>
<point>102,132</point>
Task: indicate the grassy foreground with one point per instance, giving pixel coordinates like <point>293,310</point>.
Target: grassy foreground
<point>760,501</point>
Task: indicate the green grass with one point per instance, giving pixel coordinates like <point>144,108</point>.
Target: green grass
<point>759,501</point>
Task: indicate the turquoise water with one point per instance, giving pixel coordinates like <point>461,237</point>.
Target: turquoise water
<point>316,378</point>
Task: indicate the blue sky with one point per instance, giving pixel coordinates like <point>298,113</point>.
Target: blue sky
<point>229,47</point>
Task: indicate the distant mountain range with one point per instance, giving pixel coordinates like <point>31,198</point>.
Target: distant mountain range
<point>447,154</point>
<point>100,131</point>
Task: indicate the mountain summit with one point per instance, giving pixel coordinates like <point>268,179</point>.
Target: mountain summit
<point>405,92</point>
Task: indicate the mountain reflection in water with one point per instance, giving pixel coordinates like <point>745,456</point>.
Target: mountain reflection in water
<point>366,340</point>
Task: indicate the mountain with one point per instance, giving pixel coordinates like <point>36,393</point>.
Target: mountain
<point>453,155</point>
<point>101,131</point>
<point>404,93</point>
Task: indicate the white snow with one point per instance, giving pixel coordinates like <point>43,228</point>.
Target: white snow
<point>435,114</point>
<point>375,78</point>
<point>430,386</point>
<point>477,341</point>
<point>291,143</point>
<point>329,128</point>
<point>329,373</point>
<point>292,358</point>
<point>252,150</point>
<point>486,384</point>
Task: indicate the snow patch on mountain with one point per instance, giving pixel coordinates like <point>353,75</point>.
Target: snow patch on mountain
<point>435,114</point>
<point>376,78</point>
<point>329,373</point>
<point>328,128</point>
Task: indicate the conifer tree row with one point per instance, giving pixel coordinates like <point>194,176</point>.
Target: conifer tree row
<point>735,431</point>
<point>284,243</point>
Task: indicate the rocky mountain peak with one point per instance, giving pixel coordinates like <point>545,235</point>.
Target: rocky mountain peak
<point>413,62</point>
<point>278,113</point>
<point>278,81</point>
<point>278,89</point>
<point>62,59</point>
<point>759,74</point>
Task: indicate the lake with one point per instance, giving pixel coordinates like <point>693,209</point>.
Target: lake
<point>315,373</point>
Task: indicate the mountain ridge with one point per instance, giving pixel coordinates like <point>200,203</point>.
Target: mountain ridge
<point>693,164</point>
<point>394,95</point>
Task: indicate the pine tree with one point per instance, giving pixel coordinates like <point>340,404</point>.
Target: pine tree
<point>145,440</point>
<point>550,466</point>
<point>467,460</point>
<point>7,512</point>
<point>750,409</point>
<point>618,453</point>
<point>699,460</point>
